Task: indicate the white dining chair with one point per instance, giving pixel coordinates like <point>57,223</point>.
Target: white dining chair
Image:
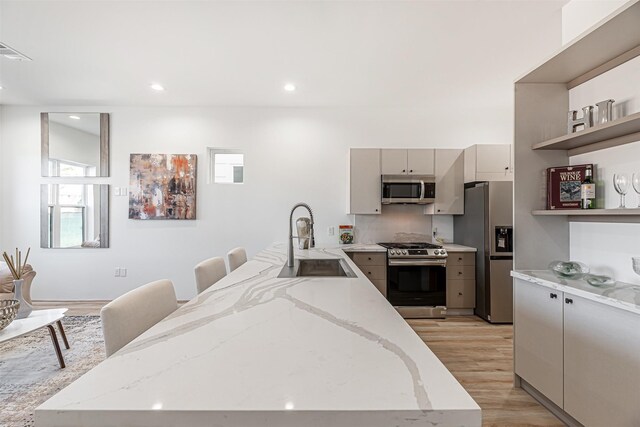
<point>237,257</point>
<point>209,272</point>
<point>131,314</point>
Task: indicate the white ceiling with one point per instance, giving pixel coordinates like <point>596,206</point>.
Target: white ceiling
<point>237,53</point>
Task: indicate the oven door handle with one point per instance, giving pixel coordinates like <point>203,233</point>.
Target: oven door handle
<point>418,263</point>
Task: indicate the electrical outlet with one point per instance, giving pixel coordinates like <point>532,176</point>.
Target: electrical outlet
<point>331,230</point>
<point>117,272</point>
<point>123,272</point>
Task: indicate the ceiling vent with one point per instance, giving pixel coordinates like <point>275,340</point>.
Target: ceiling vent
<point>11,53</point>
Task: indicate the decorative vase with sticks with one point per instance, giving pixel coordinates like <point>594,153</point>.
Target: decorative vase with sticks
<point>17,268</point>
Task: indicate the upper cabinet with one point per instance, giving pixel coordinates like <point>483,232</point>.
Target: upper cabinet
<point>449,172</point>
<point>363,190</point>
<point>417,161</point>
<point>488,163</point>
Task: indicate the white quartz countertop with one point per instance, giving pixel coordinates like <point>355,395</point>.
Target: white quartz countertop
<point>621,295</point>
<point>452,247</point>
<point>363,247</point>
<point>257,350</point>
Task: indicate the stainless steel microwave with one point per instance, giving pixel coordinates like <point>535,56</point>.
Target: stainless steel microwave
<point>415,189</point>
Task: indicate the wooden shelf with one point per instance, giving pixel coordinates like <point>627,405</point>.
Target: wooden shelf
<point>618,132</point>
<point>612,41</point>
<point>593,215</point>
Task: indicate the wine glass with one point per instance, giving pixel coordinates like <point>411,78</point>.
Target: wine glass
<point>621,184</point>
<point>635,181</point>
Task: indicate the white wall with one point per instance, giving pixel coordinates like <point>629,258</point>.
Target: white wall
<point>291,155</point>
<point>608,248</point>
<point>579,15</point>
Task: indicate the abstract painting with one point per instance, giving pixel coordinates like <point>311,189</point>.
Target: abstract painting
<point>162,186</point>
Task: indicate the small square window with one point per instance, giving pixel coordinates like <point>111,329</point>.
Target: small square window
<point>226,166</point>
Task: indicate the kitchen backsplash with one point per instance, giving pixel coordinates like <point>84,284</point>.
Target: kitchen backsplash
<point>401,223</point>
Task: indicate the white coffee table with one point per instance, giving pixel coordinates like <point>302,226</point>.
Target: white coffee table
<point>36,320</point>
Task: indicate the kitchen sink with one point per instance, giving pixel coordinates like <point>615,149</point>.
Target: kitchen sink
<point>318,267</point>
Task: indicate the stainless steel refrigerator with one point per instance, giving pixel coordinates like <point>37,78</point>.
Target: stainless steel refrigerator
<point>487,224</point>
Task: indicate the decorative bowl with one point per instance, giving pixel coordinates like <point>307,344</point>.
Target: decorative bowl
<point>8,311</point>
<point>596,280</point>
<point>636,264</point>
<point>568,269</point>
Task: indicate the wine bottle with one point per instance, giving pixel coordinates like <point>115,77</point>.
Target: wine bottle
<point>588,191</point>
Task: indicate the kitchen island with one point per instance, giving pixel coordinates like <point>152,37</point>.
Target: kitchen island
<point>256,350</point>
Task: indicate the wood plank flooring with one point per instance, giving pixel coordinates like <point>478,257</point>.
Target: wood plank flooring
<point>478,354</point>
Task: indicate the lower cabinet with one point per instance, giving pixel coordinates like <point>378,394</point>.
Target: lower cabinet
<point>582,355</point>
<point>601,363</point>
<point>374,266</point>
<point>461,280</point>
<point>538,338</point>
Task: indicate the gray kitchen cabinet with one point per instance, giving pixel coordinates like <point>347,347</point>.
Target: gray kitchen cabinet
<point>374,266</point>
<point>416,161</point>
<point>364,181</point>
<point>488,162</point>
<point>601,363</point>
<point>538,338</point>
<point>461,280</point>
<point>421,161</point>
<point>449,172</point>
<point>580,354</point>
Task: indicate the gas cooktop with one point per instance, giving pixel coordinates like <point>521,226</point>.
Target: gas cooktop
<point>414,250</point>
<point>411,245</point>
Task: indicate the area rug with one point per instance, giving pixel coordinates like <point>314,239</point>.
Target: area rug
<point>29,370</point>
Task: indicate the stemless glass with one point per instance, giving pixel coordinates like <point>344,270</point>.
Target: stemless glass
<point>635,181</point>
<point>621,184</point>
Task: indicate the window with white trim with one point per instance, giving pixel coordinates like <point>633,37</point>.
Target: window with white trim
<point>226,166</point>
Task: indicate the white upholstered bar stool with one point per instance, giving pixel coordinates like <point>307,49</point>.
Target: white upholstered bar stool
<point>209,272</point>
<point>129,315</point>
<point>237,257</point>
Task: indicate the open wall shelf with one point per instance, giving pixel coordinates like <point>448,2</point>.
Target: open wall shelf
<point>622,131</point>
<point>593,215</point>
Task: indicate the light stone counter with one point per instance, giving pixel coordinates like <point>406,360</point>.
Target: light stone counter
<point>621,295</point>
<point>255,350</point>
<point>363,247</point>
<point>452,247</point>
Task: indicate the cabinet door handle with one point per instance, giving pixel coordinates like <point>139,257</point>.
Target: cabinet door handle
<point>411,170</point>
<point>460,259</point>
<point>553,296</point>
<point>568,300</point>
<point>460,293</point>
<point>368,272</point>
<point>459,273</point>
<point>404,170</point>
<point>369,258</point>
<point>376,210</point>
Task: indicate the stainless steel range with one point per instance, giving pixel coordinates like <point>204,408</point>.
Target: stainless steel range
<point>416,278</point>
<point>410,253</point>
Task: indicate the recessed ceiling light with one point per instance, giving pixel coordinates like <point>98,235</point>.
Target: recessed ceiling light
<point>158,87</point>
<point>290,87</point>
<point>74,117</point>
<point>1,88</point>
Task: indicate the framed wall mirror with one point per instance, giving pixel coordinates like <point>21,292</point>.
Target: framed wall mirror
<point>74,216</point>
<point>75,144</point>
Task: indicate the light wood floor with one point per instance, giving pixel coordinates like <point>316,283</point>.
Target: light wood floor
<point>478,354</point>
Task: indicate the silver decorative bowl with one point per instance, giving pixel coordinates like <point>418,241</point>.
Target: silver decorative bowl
<point>8,311</point>
<point>636,264</point>
<point>597,280</point>
<point>568,269</point>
